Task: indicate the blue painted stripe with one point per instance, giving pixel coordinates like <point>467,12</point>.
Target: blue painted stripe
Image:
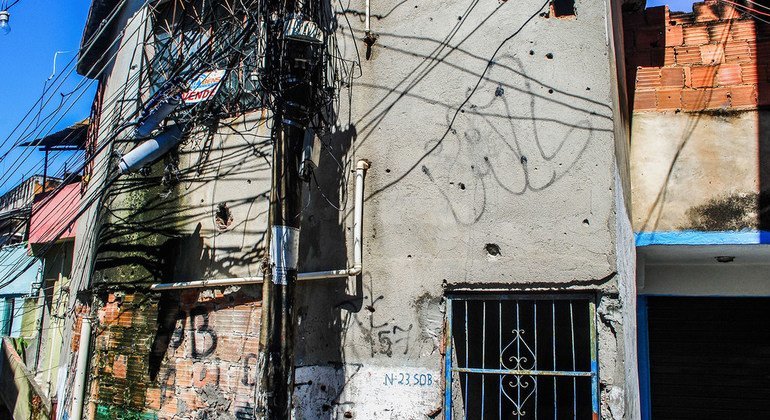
<point>691,237</point>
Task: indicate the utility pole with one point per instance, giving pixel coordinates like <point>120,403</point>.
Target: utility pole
<point>292,74</point>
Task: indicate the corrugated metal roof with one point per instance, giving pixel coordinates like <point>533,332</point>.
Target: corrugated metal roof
<point>73,136</point>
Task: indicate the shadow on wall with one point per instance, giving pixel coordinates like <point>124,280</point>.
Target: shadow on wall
<point>509,135</point>
<point>512,134</point>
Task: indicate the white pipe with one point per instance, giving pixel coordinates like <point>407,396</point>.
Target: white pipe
<point>358,218</point>
<point>368,14</point>
<point>78,392</point>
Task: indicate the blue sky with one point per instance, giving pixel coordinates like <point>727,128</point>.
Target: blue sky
<point>39,28</point>
<point>674,5</point>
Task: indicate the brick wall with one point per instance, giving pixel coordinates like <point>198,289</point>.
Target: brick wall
<point>711,59</point>
<point>188,354</point>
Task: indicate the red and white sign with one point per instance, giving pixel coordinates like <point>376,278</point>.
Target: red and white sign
<point>203,87</point>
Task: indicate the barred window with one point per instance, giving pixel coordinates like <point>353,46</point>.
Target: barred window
<point>521,357</point>
<point>192,37</point>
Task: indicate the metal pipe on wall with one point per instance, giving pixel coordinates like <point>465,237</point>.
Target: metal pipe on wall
<point>354,270</point>
<point>81,370</point>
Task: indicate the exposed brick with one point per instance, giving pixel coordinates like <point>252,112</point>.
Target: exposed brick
<point>743,30</point>
<point>119,366</point>
<point>700,99</point>
<point>695,35</point>
<point>204,374</point>
<point>169,407</point>
<point>681,18</point>
<point>737,52</point>
<point>752,49</point>
<point>672,77</point>
<point>644,100</point>
<point>687,55</point>
<point>712,54</point>
<point>669,56</point>
<point>674,36</point>
<point>233,348</point>
<point>729,74</point>
<point>728,12</point>
<point>749,73</point>
<point>183,373</point>
<point>152,398</point>
<point>705,12</point>
<point>125,318</point>
<point>669,99</point>
<point>701,77</point>
<point>719,32</point>
<point>649,38</point>
<point>743,96</point>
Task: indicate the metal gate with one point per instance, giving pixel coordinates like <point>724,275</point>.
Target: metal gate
<point>521,356</point>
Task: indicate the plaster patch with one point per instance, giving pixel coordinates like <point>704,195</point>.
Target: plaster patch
<point>366,392</point>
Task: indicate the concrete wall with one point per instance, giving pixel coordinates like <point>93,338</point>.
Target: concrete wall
<point>696,171</point>
<point>18,391</point>
<point>480,132</point>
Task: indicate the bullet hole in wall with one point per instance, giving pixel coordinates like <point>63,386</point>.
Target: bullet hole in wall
<point>492,249</point>
<point>223,217</point>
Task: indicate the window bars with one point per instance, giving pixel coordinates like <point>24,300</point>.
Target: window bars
<point>521,357</point>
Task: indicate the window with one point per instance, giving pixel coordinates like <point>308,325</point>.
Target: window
<point>521,357</point>
<point>191,37</point>
<point>563,8</point>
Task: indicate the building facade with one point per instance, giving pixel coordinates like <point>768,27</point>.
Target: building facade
<point>493,263</point>
<point>700,207</point>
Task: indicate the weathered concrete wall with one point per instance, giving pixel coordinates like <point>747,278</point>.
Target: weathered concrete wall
<point>695,171</point>
<point>18,390</point>
<point>470,145</point>
<point>482,136</point>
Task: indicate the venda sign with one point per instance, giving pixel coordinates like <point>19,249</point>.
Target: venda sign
<point>203,87</point>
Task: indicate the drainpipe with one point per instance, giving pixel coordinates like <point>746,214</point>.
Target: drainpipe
<point>354,270</point>
<point>81,370</point>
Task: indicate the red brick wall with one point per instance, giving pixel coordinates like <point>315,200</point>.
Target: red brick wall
<point>191,353</point>
<point>710,59</point>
